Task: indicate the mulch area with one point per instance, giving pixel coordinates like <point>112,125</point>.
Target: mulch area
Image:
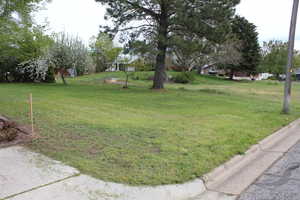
<point>12,133</point>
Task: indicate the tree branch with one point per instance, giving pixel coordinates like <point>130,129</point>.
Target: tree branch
<point>148,11</point>
<point>135,27</point>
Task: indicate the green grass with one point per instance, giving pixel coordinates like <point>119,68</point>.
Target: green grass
<point>144,137</point>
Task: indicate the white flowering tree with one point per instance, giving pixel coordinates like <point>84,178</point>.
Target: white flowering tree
<point>65,53</point>
<point>36,68</point>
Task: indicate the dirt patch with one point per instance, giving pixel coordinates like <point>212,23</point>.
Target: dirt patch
<point>115,81</point>
<point>12,133</point>
<point>8,134</point>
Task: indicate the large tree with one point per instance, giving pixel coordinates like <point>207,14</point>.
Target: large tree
<point>190,52</point>
<point>246,33</point>
<point>22,8</point>
<point>66,53</point>
<point>163,19</point>
<point>20,39</point>
<point>63,54</point>
<point>104,52</point>
<point>145,52</point>
<point>274,57</point>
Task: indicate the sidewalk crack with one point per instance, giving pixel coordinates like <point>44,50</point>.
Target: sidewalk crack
<point>41,186</point>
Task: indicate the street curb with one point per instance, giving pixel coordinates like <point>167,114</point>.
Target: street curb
<point>278,137</point>
<point>271,149</point>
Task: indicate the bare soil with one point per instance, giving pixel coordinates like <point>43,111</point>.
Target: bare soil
<point>12,133</point>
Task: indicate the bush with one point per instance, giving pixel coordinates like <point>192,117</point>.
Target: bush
<point>184,77</point>
<point>50,76</point>
<point>273,78</point>
<point>142,76</point>
<point>144,67</point>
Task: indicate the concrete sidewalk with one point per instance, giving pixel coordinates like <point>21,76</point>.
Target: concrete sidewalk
<point>25,175</point>
<point>21,171</point>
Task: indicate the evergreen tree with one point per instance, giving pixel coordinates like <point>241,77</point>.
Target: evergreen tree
<point>246,33</point>
<point>165,19</point>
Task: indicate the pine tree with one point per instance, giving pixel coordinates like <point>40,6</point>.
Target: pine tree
<point>245,32</point>
<point>164,19</point>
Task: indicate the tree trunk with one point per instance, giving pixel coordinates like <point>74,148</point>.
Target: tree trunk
<point>191,68</point>
<point>231,75</point>
<point>160,69</point>
<point>126,82</point>
<point>6,77</point>
<point>63,78</point>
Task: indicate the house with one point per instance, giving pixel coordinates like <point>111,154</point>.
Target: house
<point>130,69</point>
<point>113,68</point>
<point>72,72</point>
<point>211,70</point>
<point>263,76</point>
<point>121,67</point>
<point>214,70</point>
<point>248,76</point>
<point>297,72</point>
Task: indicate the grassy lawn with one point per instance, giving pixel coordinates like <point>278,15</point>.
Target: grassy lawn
<point>144,137</point>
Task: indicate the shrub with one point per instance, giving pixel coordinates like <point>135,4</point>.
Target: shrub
<point>184,77</point>
<point>135,76</point>
<point>142,76</point>
<point>144,67</point>
<point>50,76</point>
<point>273,78</point>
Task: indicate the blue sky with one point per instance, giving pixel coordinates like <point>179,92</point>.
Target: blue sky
<point>83,17</point>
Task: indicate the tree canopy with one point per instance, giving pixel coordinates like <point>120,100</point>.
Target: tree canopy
<point>274,57</point>
<point>20,39</point>
<point>191,51</point>
<point>65,52</point>
<point>165,19</point>
<point>245,32</point>
<point>104,52</point>
<point>144,51</point>
<point>22,8</point>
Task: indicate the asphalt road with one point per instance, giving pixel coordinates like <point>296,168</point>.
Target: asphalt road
<point>280,182</point>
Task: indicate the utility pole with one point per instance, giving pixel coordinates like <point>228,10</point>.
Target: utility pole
<point>288,79</point>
